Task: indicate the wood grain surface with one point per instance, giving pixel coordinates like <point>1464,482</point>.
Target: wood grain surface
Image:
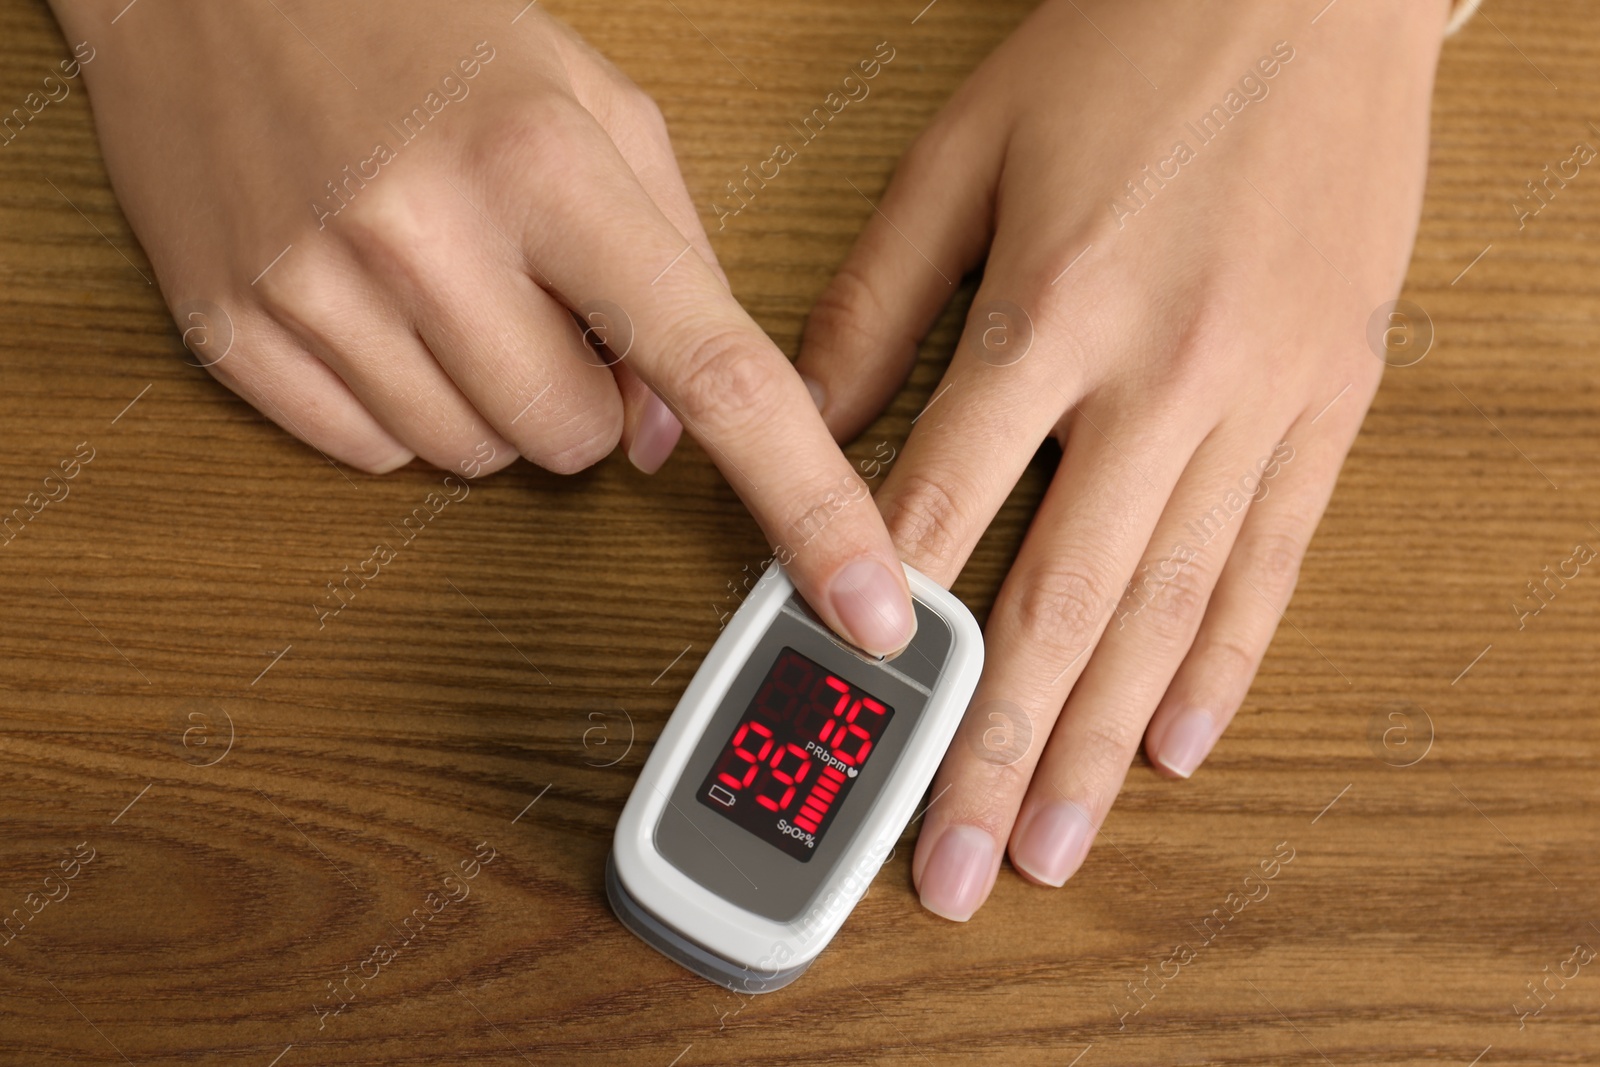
<point>248,803</point>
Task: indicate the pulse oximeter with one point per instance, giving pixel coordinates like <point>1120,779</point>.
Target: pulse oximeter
<point>782,781</point>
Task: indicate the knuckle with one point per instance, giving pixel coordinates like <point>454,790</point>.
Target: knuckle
<point>310,295</point>
<point>1105,748</point>
<point>1181,600</point>
<point>924,520</point>
<point>391,229</point>
<point>644,107</point>
<point>805,527</point>
<point>1061,605</point>
<point>1197,344</point>
<point>1210,325</point>
<point>577,446</point>
<point>1006,785</point>
<point>726,381</point>
<point>542,135</point>
<point>842,318</point>
<point>1275,559</point>
<point>1227,656</point>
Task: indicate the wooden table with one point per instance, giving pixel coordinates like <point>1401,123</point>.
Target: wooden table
<point>254,803</point>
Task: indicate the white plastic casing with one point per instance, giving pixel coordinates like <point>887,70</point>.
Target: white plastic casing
<point>736,936</point>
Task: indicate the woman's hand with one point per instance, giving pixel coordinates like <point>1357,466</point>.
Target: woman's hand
<point>387,215</point>
<point>1178,290</point>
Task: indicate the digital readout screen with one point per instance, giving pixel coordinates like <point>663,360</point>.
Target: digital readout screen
<point>786,770</point>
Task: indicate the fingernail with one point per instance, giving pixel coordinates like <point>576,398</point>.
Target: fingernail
<point>394,462</point>
<point>1053,844</point>
<point>1187,742</point>
<point>957,874</point>
<point>656,436</point>
<point>873,607</point>
<point>819,395</point>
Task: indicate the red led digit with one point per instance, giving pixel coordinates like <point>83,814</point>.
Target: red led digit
<point>842,689</point>
<point>786,778</point>
<point>786,687</point>
<point>777,805</point>
<point>754,758</point>
<point>839,740</point>
<point>765,732</point>
<point>799,772</point>
<point>867,702</point>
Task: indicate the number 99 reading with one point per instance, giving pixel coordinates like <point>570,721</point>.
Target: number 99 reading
<point>796,752</point>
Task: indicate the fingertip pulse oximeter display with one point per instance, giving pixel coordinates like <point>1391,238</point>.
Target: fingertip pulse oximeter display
<point>788,767</point>
<point>782,781</point>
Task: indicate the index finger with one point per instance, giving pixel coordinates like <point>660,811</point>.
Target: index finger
<point>599,239</point>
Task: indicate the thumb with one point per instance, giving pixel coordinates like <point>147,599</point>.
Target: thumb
<point>931,228</point>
